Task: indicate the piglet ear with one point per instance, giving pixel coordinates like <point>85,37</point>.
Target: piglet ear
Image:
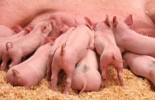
<point>107,22</point>
<point>17,28</point>
<point>129,20</point>
<point>88,22</point>
<point>115,22</point>
<point>15,73</point>
<point>28,30</point>
<point>49,39</point>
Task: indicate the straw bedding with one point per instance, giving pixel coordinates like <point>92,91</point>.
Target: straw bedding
<point>136,88</point>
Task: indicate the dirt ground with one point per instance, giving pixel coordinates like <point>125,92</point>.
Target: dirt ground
<point>136,88</point>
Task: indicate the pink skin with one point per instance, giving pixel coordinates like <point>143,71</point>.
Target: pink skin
<point>17,28</point>
<point>4,40</point>
<point>61,21</point>
<point>109,52</point>
<point>128,39</point>
<point>61,18</point>
<point>70,53</point>
<point>32,71</point>
<point>21,48</point>
<point>58,20</point>
<point>6,31</point>
<point>57,43</point>
<point>86,76</point>
<point>141,65</point>
<point>142,10</point>
<point>61,39</point>
<point>23,14</point>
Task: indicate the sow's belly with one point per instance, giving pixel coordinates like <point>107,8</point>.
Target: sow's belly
<point>96,10</point>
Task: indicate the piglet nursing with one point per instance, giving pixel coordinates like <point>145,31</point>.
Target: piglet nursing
<point>31,71</point>
<point>128,39</point>
<point>4,40</point>
<point>86,76</point>
<point>57,43</point>
<point>70,53</point>
<point>16,50</point>
<point>109,52</point>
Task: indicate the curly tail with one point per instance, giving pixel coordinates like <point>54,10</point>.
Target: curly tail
<point>9,45</point>
<point>62,49</point>
<point>84,85</point>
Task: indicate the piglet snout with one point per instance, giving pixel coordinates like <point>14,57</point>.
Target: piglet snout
<point>47,28</point>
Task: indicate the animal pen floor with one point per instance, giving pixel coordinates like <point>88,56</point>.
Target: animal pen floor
<point>136,88</point>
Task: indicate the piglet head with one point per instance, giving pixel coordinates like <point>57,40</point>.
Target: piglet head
<point>103,24</point>
<point>12,77</point>
<point>83,20</point>
<point>119,24</point>
<point>56,27</point>
<point>46,28</point>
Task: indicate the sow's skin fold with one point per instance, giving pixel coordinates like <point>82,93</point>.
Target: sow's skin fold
<point>110,54</point>
<point>141,65</point>
<point>32,71</point>
<point>78,42</point>
<point>86,76</point>
<point>21,48</point>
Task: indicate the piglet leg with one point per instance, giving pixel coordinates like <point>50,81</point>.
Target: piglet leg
<point>15,57</point>
<point>54,78</point>
<point>48,73</point>
<point>119,68</point>
<point>5,60</point>
<point>69,69</point>
<point>118,64</point>
<point>105,61</point>
<point>104,72</point>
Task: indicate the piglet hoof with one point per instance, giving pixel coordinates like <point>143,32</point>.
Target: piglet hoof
<point>103,84</point>
<point>53,88</point>
<point>27,87</point>
<point>122,83</point>
<point>10,66</point>
<point>2,68</point>
<point>66,91</point>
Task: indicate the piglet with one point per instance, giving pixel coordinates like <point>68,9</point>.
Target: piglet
<point>57,43</point>
<point>70,53</point>
<point>86,76</point>
<point>32,71</point>
<point>128,39</point>
<point>21,48</point>
<point>4,40</point>
<point>141,65</point>
<point>106,47</point>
